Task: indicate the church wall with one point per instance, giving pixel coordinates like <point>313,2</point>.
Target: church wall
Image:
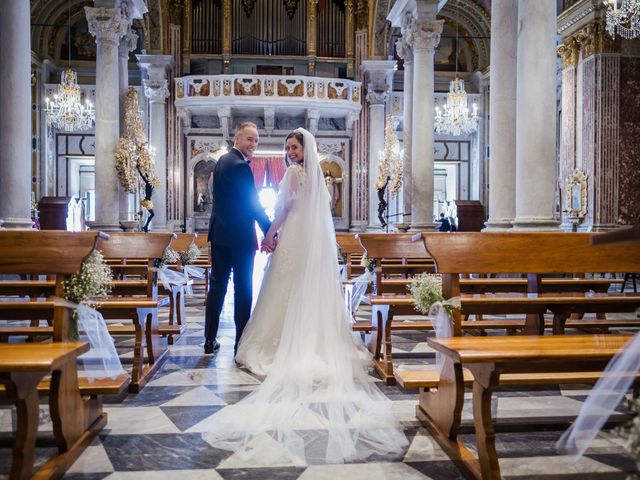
<point>629,143</point>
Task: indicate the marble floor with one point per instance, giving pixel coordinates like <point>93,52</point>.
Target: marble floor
<point>156,434</point>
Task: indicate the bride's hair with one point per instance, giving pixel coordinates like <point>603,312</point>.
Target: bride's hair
<point>299,137</point>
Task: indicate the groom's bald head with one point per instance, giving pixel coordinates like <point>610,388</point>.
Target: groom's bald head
<point>246,138</point>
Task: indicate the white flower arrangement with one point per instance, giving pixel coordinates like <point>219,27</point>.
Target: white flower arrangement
<point>168,257</point>
<point>190,255</point>
<point>426,290</point>
<point>94,280</point>
<point>367,263</point>
<point>630,431</point>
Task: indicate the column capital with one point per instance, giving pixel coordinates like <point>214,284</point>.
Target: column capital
<point>155,66</point>
<point>128,43</point>
<point>106,24</point>
<point>377,98</point>
<point>156,90</point>
<point>425,34</point>
<point>404,50</point>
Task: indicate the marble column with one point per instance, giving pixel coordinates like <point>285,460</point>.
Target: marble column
<point>424,37</point>
<point>128,43</point>
<point>380,79</point>
<point>108,26</point>
<point>156,89</point>
<point>406,53</point>
<point>502,122</point>
<point>15,120</point>
<point>536,113</point>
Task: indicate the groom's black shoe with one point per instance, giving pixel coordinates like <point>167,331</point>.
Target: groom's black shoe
<point>211,346</point>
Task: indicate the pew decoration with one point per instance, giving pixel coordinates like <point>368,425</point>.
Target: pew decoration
<point>426,290</point>
<point>368,263</point>
<point>94,280</point>
<point>630,431</point>
<point>187,259</point>
<point>82,292</point>
<point>166,276</point>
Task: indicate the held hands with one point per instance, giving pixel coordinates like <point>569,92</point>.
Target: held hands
<point>269,244</point>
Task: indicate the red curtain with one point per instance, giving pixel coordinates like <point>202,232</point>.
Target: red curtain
<point>259,168</point>
<point>276,168</point>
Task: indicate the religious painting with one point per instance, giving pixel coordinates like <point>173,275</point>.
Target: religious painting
<point>83,44</point>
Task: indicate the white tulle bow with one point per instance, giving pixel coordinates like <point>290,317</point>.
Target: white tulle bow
<point>102,360</point>
<point>442,324</point>
<point>191,272</point>
<point>169,277</point>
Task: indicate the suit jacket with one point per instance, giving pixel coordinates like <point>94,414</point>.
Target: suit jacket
<point>235,204</point>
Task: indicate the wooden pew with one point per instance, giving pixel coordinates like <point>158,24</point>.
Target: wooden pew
<point>75,422</point>
<point>498,361</point>
<point>204,261</point>
<point>351,248</point>
<point>140,302</point>
<point>386,305</point>
<point>535,254</point>
<point>76,409</point>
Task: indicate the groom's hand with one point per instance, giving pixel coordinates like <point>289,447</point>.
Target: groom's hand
<point>268,247</point>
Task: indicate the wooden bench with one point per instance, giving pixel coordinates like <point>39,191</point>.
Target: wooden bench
<point>535,254</point>
<point>76,421</point>
<point>75,405</point>
<point>494,361</point>
<point>353,251</point>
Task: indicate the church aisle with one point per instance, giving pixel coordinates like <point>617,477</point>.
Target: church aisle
<point>156,434</point>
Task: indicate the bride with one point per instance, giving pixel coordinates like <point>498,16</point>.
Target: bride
<point>317,403</point>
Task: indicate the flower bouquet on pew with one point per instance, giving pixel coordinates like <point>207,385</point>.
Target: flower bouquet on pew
<point>426,290</point>
<point>187,259</point>
<point>95,280</point>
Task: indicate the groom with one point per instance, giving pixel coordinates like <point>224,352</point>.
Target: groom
<point>232,234</point>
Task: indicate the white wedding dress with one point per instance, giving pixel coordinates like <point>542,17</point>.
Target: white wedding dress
<point>317,403</point>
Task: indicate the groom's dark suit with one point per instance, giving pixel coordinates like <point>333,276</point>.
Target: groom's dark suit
<point>232,234</point>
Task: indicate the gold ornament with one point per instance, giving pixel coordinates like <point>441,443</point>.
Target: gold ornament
<point>133,154</point>
<point>391,163</point>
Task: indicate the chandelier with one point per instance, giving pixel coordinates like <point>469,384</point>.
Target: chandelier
<point>454,117</point>
<point>624,19</point>
<point>66,111</point>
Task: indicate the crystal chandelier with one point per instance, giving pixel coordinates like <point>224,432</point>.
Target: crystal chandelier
<point>454,117</point>
<point>66,111</point>
<point>624,19</point>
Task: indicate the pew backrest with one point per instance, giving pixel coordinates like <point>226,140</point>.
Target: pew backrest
<point>135,245</point>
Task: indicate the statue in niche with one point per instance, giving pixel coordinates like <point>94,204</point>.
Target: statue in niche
<point>202,184</point>
<point>333,178</point>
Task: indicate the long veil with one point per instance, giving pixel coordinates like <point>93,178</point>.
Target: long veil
<point>317,405</point>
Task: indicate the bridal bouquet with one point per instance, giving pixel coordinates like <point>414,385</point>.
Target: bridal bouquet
<point>94,280</point>
<point>426,290</point>
<point>190,255</point>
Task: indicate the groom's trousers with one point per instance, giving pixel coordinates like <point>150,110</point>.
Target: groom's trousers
<point>225,260</point>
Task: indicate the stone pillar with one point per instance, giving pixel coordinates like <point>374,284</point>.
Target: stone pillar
<point>406,53</point>
<point>128,44</point>
<point>108,26</point>
<point>536,113</point>
<point>156,90</point>
<point>313,116</point>
<point>15,120</point>
<point>569,51</point>
<point>380,79</point>
<point>424,37</point>
<point>502,120</point>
